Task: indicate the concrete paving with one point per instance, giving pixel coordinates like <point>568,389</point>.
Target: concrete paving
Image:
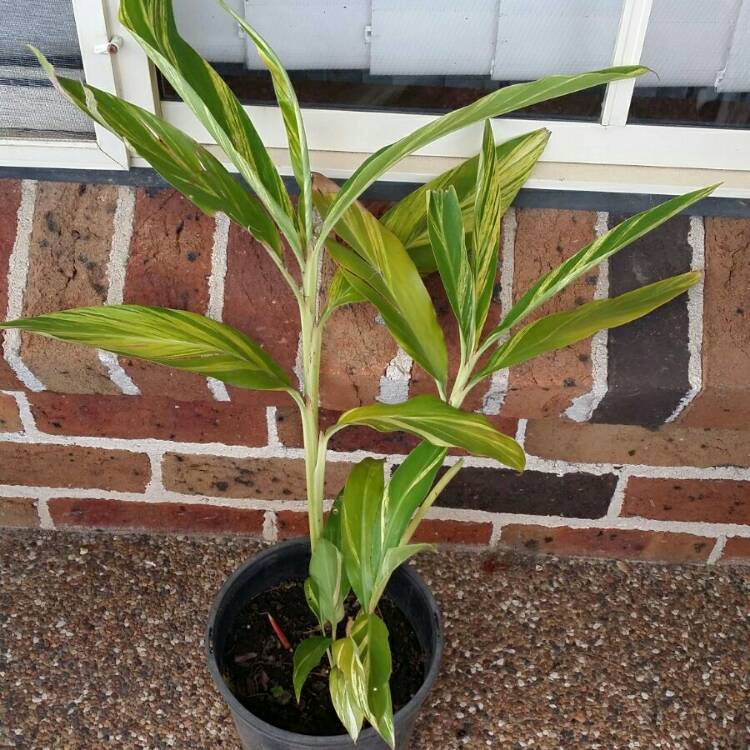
<point>101,646</point>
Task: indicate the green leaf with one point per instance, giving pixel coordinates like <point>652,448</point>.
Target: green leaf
<point>307,656</point>
<point>328,592</point>
<point>152,23</point>
<point>371,636</point>
<point>601,248</point>
<point>380,713</point>
<point>168,337</point>
<point>565,328</point>
<point>332,532</point>
<point>488,212</point>
<point>340,292</point>
<point>379,269</point>
<point>368,284</point>
<point>447,239</point>
<point>408,487</point>
<point>495,104</point>
<point>348,685</point>
<point>392,559</point>
<point>290,113</point>
<point>180,160</point>
<point>361,526</point>
<point>440,424</point>
<point>514,161</point>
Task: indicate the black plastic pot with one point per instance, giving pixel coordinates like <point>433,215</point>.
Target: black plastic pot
<point>288,561</point>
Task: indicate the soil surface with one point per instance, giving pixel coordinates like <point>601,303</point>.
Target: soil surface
<point>258,669</point>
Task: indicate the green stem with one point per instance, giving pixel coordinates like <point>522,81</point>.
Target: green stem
<point>315,444</point>
<point>430,499</point>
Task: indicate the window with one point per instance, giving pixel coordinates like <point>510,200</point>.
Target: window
<point>370,71</point>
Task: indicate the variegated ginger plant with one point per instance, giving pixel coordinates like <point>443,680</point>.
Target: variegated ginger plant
<point>450,225</point>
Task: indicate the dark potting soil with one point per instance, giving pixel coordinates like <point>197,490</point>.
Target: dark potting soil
<point>258,669</point>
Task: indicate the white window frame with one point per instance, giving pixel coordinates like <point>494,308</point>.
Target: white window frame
<point>609,155</point>
<point>106,150</point>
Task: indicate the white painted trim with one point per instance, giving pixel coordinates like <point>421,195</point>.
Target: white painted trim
<point>53,154</point>
<point>628,48</point>
<point>91,25</point>
<point>136,78</point>
<point>570,142</point>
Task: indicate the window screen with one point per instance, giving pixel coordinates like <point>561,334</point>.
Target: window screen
<point>29,106</point>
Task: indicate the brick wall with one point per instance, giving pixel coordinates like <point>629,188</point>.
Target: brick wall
<point>638,441</point>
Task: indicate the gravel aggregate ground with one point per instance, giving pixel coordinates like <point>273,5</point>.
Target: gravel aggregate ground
<point>101,646</point>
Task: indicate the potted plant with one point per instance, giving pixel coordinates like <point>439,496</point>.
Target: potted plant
<point>348,586</point>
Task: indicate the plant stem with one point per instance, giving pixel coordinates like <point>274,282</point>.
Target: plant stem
<point>315,445</point>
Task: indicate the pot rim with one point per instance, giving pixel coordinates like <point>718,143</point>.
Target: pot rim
<point>274,732</point>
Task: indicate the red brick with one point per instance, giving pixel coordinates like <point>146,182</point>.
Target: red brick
<point>10,200</point>
<point>439,531</point>
<point>708,500</point>
<point>73,466</point>
<point>266,478</point>
<point>18,512</point>
<point>258,302</point>
<point>168,516</point>
<point>149,417</point>
<point>545,238</point>
<point>725,401</point>
<point>655,546</point>
<point>289,427</point>
<point>736,550</point>
<point>356,352</point>
<point>670,445</point>
<point>292,524</point>
<point>68,255</point>
<point>10,419</point>
<point>169,266</point>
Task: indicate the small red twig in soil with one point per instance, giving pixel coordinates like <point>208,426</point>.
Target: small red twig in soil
<point>283,640</point>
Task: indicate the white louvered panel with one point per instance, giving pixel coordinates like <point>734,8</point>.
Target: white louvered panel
<point>539,37</point>
<point>210,29</point>
<point>687,42</point>
<point>312,34</point>
<point>736,74</point>
<point>432,37</point>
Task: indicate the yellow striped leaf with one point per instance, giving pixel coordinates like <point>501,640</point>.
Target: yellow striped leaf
<point>497,103</point>
<point>290,113</point>
<point>379,268</point>
<point>440,424</point>
<point>488,212</point>
<point>514,160</point>
<point>180,160</point>
<point>152,23</point>
<point>446,231</point>
<point>167,337</point>
<point>565,328</point>
<point>601,248</point>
